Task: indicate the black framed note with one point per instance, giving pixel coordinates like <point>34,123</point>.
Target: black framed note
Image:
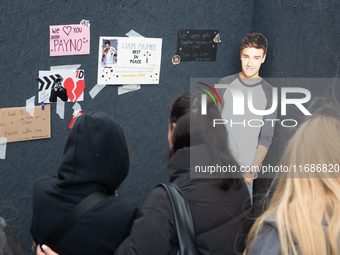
<point>197,45</point>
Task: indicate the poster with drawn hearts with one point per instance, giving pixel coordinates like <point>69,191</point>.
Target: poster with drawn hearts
<point>129,60</point>
<point>69,40</point>
<point>68,86</point>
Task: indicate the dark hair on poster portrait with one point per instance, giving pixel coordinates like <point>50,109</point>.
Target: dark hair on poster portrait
<point>255,40</point>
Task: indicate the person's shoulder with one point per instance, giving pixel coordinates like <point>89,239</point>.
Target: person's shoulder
<point>158,201</point>
<point>157,198</point>
<point>43,186</point>
<point>229,79</point>
<point>267,241</point>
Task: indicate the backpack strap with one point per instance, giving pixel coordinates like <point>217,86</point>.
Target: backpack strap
<point>67,223</point>
<point>183,220</point>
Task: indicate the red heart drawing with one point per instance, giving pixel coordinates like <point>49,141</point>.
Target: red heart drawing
<point>74,92</point>
<point>67,29</point>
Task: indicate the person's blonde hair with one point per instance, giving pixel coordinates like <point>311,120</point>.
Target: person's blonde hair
<point>304,200</point>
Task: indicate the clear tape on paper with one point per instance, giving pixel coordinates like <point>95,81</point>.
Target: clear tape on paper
<point>30,105</point>
<point>56,69</point>
<point>76,107</point>
<point>133,33</point>
<point>131,87</point>
<point>96,89</point>
<point>3,145</point>
<point>85,23</point>
<point>128,88</point>
<point>60,108</point>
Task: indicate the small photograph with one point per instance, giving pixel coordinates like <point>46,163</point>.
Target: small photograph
<point>217,38</point>
<point>109,52</point>
<point>58,91</point>
<point>68,86</point>
<point>176,60</point>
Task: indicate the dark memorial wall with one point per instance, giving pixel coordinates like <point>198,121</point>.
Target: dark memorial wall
<point>302,44</point>
<point>302,38</point>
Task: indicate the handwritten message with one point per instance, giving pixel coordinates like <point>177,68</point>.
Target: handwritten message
<point>16,124</point>
<point>196,45</point>
<point>123,60</point>
<point>69,40</point>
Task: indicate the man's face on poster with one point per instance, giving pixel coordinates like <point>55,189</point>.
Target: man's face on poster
<point>251,59</point>
<point>59,84</point>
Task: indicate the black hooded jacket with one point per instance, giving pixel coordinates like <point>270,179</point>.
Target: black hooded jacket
<point>95,159</point>
<point>221,218</point>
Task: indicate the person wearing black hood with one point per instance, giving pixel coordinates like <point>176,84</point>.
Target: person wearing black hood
<point>95,159</point>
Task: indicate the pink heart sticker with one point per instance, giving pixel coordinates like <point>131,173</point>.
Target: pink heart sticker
<point>74,92</point>
<point>67,29</point>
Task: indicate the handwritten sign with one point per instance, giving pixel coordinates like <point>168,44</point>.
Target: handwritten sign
<point>69,40</point>
<point>16,124</point>
<point>134,60</point>
<point>196,45</point>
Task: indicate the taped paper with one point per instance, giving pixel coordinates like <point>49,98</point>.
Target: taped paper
<point>133,33</point>
<point>123,89</point>
<point>68,68</point>
<point>3,145</point>
<point>16,124</point>
<point>176,60</point>
<point>85,23</point>
<point>96,89</point>
<point>72,39</point>
<point>131,87</point>
<point>68,85</point>
<point>30,105</point>
<point>217,38</point>
<point>60,108</point>
<point>76,107</point>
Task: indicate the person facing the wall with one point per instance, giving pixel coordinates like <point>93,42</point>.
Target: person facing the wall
<point>218,206</point>
<point>95,159</point>
<point>304,213</point>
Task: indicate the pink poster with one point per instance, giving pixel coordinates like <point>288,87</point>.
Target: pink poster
<point>69,40</point>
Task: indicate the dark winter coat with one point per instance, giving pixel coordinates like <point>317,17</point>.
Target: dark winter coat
<point>95,159</point>
<point>219,216</point>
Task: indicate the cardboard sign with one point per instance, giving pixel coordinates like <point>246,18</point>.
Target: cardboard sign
<point>69,40</point>
<point>67,85</point>
<point>16,124</point>
<point>133,60</point>
<point>197,45</point>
